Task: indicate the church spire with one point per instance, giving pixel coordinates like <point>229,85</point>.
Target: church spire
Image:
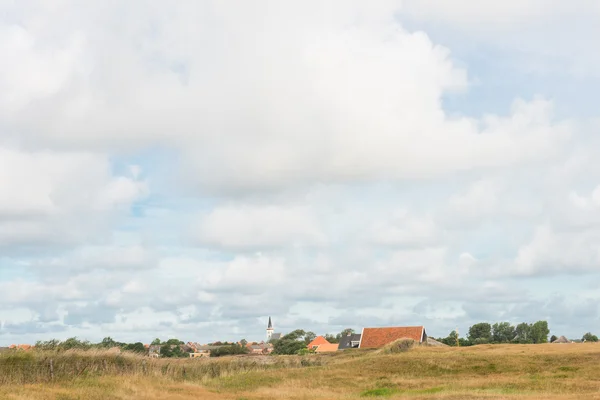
<point>269,330</point>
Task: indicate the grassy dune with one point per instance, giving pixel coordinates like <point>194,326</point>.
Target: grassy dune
<point>569,371</point>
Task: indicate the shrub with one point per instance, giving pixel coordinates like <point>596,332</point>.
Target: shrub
<point>399,346</point>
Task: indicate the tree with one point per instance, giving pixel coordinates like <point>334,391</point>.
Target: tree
<point>523,333</point>
<point>503,332</point>
<point>553,338</point>
<point>173,342</point>
<point>108,342</point>
<point>165,351</point>
<point>332,338</point>
<point>229,350</point>
<point>135,347</point>
<point>309,337</point>
<point>452,339</point>
<point>243,342</point>
<point>74,343</point>
<point>52,344</point>
<point>539,332</point>
<point>588,337</point>
<point>480,333</point>
<point>291,343</point>
<point>345,332</point>
<point>155,342</point>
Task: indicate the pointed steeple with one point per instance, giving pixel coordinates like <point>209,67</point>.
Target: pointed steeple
<point>269,330</point>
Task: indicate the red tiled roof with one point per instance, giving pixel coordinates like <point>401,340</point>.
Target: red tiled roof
<point>379,337</point>
<point>319,340</point>
<point>327,348</point>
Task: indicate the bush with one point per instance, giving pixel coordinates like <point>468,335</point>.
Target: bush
<point>589,337</point>
<point>399,346</point>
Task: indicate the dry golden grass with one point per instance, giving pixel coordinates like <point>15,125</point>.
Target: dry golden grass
<point>552,371</point>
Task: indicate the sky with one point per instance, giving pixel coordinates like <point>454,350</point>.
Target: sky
<point>188,169</point>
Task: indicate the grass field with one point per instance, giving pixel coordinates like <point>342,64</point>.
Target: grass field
<point>551,371</point>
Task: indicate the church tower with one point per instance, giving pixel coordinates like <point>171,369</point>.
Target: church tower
<point>269,330</point>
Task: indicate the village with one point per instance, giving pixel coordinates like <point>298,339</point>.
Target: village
<point>299,342</point>
<point>368,338</point>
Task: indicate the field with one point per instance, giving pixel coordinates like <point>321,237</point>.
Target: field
<point>551,371</point>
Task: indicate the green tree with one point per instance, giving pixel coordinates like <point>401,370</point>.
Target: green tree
<point>523,333</point>
<point>108,342</point>
<point>332,338</point>
<point>503,332</point>
<point>166,351</point>
<point>244,342</point>
<point>156,342</point>
<point>553,338</point>
<point>345,332</point>
<point>137,347</point>
<point>309,337</point>
<point>480,333</point>
<point>589,337</point>
<point>539,332</point>
<point>452,339</point>
<point>173,342</point>
<point>229,350</point>
<point>74,343</point>
<point>52,344</point>
<point>290,343</point>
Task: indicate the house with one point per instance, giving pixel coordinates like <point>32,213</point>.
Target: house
<point>25,347</point>
<point>200,354</point>
<point>187,348</point>
<point>372,338</point>
<point>206,347</point>
<point>319,340</point>
<point>562,339</point>
<point>259,348</point>
<point>327,348</point>
<point>350,341</point>
<point>154,351</point>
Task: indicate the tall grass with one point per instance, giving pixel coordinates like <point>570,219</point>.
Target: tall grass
<point>19,367</point>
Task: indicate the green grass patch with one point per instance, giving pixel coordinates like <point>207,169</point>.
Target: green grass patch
<point>246,382</point>
<point>379,392</point>
<point>568,369</point>
<point>432,390</point>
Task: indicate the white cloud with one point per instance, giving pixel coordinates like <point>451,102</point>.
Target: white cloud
<point>44,195</point>
<point>498,14</point>
<point>255,227</point>
<point>402,229</point>
<point>350,95</point>
<point>480,199</point>
<point>552,252</point>
<point>543,36</point>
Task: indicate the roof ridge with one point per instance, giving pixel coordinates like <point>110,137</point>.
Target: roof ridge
<point>396,326</point>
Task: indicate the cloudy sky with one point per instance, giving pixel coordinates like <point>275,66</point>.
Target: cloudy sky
<point>188,169</point>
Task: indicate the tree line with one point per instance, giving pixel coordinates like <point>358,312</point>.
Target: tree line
<point>171,348</point>
<point>501,332</point>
